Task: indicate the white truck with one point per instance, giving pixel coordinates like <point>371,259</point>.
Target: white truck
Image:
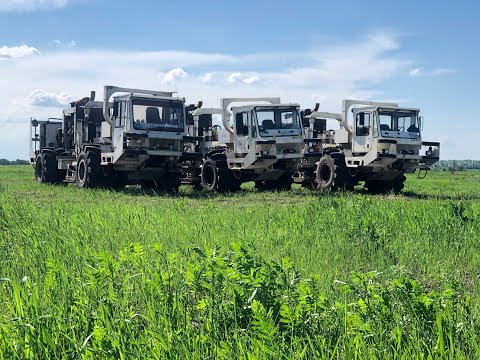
<point>138,138</point>
<point>383,142</point>
<point>264,144</point>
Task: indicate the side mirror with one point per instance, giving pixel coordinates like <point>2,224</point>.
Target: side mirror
<point>115,109</point>
<point>420,122</point>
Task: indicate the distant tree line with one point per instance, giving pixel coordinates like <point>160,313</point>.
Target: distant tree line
<point>456,165</point>
<point>13,162</point>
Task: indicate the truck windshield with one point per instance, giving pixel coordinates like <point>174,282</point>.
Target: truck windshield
<point>398,121</point>
<point>158,115</point>
<point>277,121</point>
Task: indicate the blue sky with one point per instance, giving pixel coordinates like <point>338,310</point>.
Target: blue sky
<point>420,54</point>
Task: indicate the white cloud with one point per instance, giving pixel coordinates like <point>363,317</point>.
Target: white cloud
<point>206,77</point>
<point>17,52</point>
<point>234,77</point>
<point>251,80</point>
<point>243,78</point>
<point>384,41</point>
<point>415,72</point>
<point>421,72</point>
<point>45,99</point>
<point>443,71</point>
<point>30,5</point>
<point>172,75</point>
<point>65,44</point>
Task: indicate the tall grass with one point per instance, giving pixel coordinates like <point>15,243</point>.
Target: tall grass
<point>99,274</point>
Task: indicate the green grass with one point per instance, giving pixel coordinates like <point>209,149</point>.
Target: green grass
<point>100,274</point>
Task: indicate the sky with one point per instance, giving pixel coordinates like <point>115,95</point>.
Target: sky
<point>419,54</point>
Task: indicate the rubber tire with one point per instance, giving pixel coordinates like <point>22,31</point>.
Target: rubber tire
<point>398,184</point>
<point>265,185</point>
<point>40,173</point>
<point>46,170</point>
<point>116,180</point>
<point>376,186</point>
<point>88,173</point>
<point>332,174</point>
<point>209,175</point>
<point>171,182</point>
<point>216,176</point>
<point>284,183</point>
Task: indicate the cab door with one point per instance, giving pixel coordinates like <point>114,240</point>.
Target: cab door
<point>362,131</point>
<point>119,122</point>
<point>242,133</point>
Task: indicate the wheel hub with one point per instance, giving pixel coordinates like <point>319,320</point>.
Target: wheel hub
<point>208,175</point>
<point>325,173</point>
<point>81,170</point>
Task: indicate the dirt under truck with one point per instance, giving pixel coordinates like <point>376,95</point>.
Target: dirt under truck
<point>383,143</point>
<point>138,138</point>
<point>263,144</point>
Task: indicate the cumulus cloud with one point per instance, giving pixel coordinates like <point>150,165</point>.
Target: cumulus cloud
<point>419,72</point>
<point>30,5</point>
<point>45,99</point>
<point>243,78</point>
<point>251,80</point>
<point>65,44</point>
<point>17,52</point>
<point>172,75</point>
<point>415,72</point>
<point>206,77</point>
<point>234,77</point>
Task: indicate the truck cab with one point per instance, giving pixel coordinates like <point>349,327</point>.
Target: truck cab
<point>390,137</point>
<point>266,133</point>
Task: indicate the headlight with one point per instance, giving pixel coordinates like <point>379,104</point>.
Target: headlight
<point>385,151</point>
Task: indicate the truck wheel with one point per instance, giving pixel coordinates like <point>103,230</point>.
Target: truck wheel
<point>172,182</point>
<point>332,174</point>
<point>265,185</point>
<point>116,180</point>
<point>46,169</point>
<point>235,184</point>
<point>209,175</point>
<point>398,184</point>
<point>55,175</point>
<point>40,175</point>
<point>376,186</point>
<point>284,183</point>
<point>88,171</point>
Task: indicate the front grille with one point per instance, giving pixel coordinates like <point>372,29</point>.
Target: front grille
<point>164,144</point>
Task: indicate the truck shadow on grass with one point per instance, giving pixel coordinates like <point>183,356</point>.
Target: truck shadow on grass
<point>186,192</point>
<point>414,195</point>
<point>295,193</point>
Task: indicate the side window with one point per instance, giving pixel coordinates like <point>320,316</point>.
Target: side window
<point>363,124</point>
<point>121,114</point>
<point>254,126</point>
<point>241,122</point>
<point>375,124</point>
<point>385,122</point>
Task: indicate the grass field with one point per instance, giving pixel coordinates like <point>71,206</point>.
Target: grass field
<point>296,275</point>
